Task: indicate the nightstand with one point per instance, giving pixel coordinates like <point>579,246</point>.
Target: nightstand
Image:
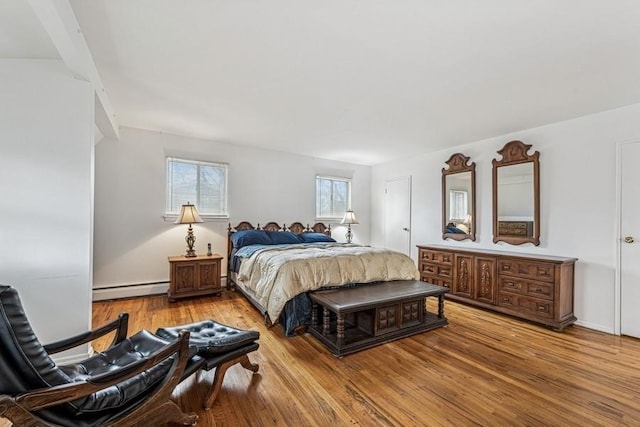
<point>193,276</point>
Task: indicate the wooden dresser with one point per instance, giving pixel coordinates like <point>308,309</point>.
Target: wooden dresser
<point>538,288</point>
<point>515,228</point>
<point>192,276</point>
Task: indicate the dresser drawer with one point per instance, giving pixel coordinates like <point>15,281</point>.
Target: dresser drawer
<point>524,304</point>
<point>526,287</point>
<point>436,256</point>
<point>444,271</point>
<point>511,284</point>
<point>540,290</point>
<point>531,270</point>
<point>436,280</point>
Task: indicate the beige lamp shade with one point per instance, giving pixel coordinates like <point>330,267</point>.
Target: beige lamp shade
<point>349,218</point>
<point>188,215</point>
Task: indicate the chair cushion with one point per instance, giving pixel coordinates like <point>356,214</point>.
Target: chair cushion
<point>136,347</point>
<point>211,337</point>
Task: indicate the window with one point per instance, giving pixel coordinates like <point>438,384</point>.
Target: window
<point>333,197</point>
<point>203,184</point>
<point>458,205</point>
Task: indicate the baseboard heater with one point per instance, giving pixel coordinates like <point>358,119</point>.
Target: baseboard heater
<point>134,290</point>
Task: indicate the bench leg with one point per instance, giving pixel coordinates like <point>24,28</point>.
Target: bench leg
<point>314,314</point>
<point>441,307</point>
<point>340,328</point>
<point>218,378</point>
<point>325,321</point>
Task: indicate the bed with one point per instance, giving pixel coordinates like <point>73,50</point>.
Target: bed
<point>275,267</point>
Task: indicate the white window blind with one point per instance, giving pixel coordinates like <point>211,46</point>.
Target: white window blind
<point>203,184</point>
<point>333,196</point>
<point>458,202</point>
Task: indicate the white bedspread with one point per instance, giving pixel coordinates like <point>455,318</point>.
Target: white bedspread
<point>277,274</point>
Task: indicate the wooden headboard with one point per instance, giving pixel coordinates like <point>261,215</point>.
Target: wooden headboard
<point>294,227</point>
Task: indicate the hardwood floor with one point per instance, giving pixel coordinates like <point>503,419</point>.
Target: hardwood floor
<point>482,369</point>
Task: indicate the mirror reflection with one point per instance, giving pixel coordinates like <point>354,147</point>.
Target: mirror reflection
<point>516,195</point>
<point>458,187</point>
<point>515,200</point>
<point>458,199</point>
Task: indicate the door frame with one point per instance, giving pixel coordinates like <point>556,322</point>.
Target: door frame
<point>408,179</point>
<point>617,321</point>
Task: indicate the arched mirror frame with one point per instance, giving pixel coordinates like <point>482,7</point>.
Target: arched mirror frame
<point>458,164</point>
<point>514,153</point>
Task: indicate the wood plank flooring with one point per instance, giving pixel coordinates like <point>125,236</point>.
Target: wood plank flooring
<point>482,369</point>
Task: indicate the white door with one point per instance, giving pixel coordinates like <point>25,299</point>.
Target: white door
<point>630,240</point>
<point>397,215</point>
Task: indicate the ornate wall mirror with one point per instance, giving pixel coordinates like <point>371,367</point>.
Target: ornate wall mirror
<point>459,199</point>
<point>516,195</point>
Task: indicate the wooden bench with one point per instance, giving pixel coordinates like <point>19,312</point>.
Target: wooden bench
<point>361,317</point>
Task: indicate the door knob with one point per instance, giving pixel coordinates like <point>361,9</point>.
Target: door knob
<point>405,229</point>
<point>628,239</point>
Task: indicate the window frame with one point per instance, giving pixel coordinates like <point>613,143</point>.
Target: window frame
<point>336,215</point>
<point>171,216</point>
<point>458,199</point>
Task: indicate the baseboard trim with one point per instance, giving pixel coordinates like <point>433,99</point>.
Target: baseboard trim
<point>135,290</point>
<point>130,291</point>
<point>595,327</point>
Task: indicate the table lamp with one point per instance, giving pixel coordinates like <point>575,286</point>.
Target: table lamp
<point>349,218</point>
<point>189,215</point>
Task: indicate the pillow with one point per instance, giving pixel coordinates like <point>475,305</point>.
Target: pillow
<point>284,237</point>
<point>454,230</point>
<point>463,228</point>
<point>250,237</point>
<point>316,237</point>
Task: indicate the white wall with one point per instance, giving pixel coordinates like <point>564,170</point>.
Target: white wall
<point>46,183</point>
<point>578,197</point>
<point>133,241</point>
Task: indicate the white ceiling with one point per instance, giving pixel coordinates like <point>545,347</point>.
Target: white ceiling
<point>363,81</point>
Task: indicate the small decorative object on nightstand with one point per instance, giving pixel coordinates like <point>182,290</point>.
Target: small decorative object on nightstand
<point>209,249</point>
<point>193,276</point>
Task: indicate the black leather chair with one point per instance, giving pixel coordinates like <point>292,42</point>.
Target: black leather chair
<point>128,384</point>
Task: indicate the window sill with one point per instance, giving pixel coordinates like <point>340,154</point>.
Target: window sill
<point>206,218</point>
<point>329,220</point>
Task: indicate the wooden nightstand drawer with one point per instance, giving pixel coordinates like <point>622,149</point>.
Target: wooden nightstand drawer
<point>194,276</point>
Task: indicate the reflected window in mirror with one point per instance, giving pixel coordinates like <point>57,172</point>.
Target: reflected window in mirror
<point>458,198</point>
<point>516,201</point>
<point>459,205</point>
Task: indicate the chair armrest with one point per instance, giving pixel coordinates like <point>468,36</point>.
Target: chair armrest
<point>120,325</point>
<point>46,397</point>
